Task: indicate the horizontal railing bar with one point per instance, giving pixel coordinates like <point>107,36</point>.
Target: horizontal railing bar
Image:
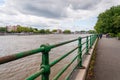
<point>67,78</point>
<point>45,50</point>
<point>83,49</point>
<point>13,57</point>
<point>59,44</point>
<point>57,60</point>
<point>83,43</point>
<point>84,37</point>
<point>62,71</point>
<point>35,75</point>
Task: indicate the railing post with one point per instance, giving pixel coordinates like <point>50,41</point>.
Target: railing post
<point>80,53</point>
<point>94,38</point>
<point>87,44</point>
<point>90,41</point>
<point>45,62</point>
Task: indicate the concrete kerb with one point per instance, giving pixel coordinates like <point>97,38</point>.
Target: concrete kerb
<point>81,73</point>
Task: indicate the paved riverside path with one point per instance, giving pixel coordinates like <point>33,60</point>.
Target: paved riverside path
<point>107,65</point>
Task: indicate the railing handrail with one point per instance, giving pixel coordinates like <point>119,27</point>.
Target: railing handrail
<point>45,49</point>
<point>16,56</point>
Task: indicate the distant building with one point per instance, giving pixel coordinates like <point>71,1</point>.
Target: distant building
<point>11,28</point>
<point>59,31</point>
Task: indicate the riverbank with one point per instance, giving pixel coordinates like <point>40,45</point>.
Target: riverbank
<point>27,34</point>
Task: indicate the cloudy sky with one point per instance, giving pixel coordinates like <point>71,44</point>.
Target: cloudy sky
<point>53,14</point>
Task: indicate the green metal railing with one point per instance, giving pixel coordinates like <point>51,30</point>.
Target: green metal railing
<point>45,67</point>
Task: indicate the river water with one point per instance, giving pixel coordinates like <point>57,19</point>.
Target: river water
<point>22,68</point>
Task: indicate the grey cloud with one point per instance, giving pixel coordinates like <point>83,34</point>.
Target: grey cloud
<point>50,8</point>
<point>87,4</point>
<point>45,8</point>
<point>42,12</point>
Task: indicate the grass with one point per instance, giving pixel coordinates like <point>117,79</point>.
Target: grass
<point>90,74</point>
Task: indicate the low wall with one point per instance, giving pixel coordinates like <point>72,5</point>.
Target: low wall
<point>80,74</point>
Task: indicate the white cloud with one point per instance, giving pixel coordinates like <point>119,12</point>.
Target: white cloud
<point>52,13</point>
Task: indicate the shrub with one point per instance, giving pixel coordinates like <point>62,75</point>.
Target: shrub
<point>118,35</point>
<point>112,34</point>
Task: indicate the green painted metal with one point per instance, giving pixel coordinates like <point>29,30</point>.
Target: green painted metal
<point>45,67</point>
<point>83,49</point>
<point>63,70</point>
<point>35,75</point>
<point>69,74</point>
<point>13,57</point>
<point>80,52</point>
<point>87,45</point>
<point>45,62</point>
<point>90,41</point>
<point>63,43</point>
<point>83,43</point>
<point>62,57</point>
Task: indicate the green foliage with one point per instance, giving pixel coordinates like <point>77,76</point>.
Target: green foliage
<point>91,31</point>
<point>47,31</point>
<point>112,34</point>
<point>2,29</point>
<point>66,31</point>
<point>42,31</point>
<point>109,21</point>
<point>118,35</point>
<point>25,29</point>
<point>54,30</point>
<point>82,31</point>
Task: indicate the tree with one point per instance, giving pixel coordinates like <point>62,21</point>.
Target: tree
<point>109,21</point>
<point>54,30</point>
<point>117,23</point>
<point>66,31</point>
<point>2,29</point>
<point>82,31</point>
<point>47,31</point>
<point>19,29</point>
<point>42,31</point>
<point>26,29</point>
<point>91,31</point>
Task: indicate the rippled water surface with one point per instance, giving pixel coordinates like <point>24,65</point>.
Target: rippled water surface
<point>22,68</point>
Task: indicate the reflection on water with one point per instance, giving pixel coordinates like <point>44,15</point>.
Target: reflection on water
<point>22,68</point>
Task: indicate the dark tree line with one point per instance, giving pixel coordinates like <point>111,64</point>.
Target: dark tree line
<point>109,21</point>
<point>21,29</point>
<point>3,29</point>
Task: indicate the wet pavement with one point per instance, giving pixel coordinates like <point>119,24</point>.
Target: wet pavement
<point>107,66</point>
